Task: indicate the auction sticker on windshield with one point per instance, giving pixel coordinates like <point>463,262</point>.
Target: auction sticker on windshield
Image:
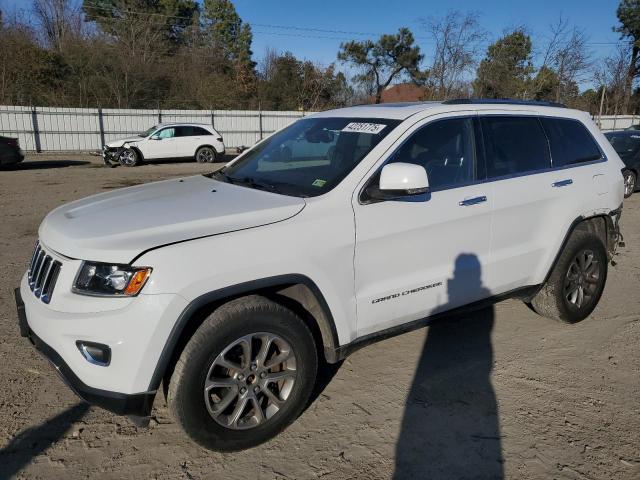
<point>357,127</point>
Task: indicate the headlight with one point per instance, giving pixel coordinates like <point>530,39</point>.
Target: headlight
<point>105,279</point>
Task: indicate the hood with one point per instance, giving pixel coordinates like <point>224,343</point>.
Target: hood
<point>122,141</point>
<point>119,225</point>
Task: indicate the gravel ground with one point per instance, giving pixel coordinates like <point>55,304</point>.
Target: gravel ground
<point>501,393</point>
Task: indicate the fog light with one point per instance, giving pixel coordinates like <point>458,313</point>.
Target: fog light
<point>95,353</point>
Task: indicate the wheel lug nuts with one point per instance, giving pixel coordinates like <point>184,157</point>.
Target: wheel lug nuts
<point>253,366</point>
<point>256,389</point>
<point>263,375</point>
<point>243,390</point>
<point>240,377</point>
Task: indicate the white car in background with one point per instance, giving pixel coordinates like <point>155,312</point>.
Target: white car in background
<point>166,141</point>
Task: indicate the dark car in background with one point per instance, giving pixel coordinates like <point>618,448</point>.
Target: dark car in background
<point>10,152</point>
<point>627,144</point>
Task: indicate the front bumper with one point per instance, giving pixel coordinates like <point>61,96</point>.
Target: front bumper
<point>138,404</point>
<point>110,154</point>
<point>135,330</point>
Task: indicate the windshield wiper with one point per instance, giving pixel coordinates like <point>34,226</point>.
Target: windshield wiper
<point>250,182</point>
<point>245,181</point>
<point>219,174</point>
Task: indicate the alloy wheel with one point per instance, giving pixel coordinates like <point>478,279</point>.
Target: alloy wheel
<point>205,155</point>
<point>582,279</point>
<point>127,157</point>
<point>250,381</point>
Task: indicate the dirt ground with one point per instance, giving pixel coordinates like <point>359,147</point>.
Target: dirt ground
<point>501,393</point>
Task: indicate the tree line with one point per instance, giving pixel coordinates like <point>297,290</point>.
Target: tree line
<point>152,54</point>
<point>185,54</point>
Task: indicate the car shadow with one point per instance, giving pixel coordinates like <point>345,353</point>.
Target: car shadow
<point>30,443</point>
<point>450,427</point>
<point>43,164</point>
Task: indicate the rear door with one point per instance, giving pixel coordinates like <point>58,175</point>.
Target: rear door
<point>534,200</point>
<point>185,140</point>
<point>421,255</point>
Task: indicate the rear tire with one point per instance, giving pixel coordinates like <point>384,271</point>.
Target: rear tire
<point>222,368</point>
<point>206,155</point>
<point>630,180</point>
<point>575,285</point>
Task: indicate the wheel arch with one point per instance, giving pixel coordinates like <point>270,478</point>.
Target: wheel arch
<point>603,225</point>
<point>207,145</point>
<point>138,152</point>
<point>295,291</point>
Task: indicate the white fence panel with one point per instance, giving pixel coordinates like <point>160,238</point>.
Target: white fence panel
<point>87,129</point>
<point>16,122</point>
<point>608,123</point>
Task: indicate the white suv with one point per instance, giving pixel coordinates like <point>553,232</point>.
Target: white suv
<point>344,228</point>
<point>166,140</point>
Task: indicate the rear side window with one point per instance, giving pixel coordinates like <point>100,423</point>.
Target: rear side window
<point>200,132</point>
<point>570,142</point>
<point>514,145</point>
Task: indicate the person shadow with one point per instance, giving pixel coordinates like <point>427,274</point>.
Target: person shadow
<point>450,427</point>
<point>32,442</point>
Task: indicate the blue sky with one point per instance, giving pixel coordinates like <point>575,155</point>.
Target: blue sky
<point>596,17</point>
<point>289,24</point>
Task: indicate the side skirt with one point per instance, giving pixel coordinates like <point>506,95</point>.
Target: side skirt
<point>342,352</point>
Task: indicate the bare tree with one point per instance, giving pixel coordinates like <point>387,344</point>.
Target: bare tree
<point>612,76</point>
<point>458,41</point>
<point>567,59</point>
<point>59,20</point>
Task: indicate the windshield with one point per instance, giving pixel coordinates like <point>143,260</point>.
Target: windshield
<point>309,157</point>
<point>148,132</point>
<point>625,145</point>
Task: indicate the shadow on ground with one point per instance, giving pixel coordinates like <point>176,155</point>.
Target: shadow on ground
<point>31,442</point>
<point>43,164</point>
<point>450,427</point>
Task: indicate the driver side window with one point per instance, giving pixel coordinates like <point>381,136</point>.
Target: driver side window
<point>167,133</point>
<point>445,148</point>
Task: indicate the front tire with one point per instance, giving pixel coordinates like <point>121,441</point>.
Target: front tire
<point>575,285</point>
<point>630,180</point>
<point>244,376</point>
<point>129,157</point>
<point>206,155</point>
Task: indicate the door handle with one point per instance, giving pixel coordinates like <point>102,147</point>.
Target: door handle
<point>472,201</point>
<point>562,183</point>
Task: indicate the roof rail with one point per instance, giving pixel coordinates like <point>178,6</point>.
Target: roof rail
<point>501,101</point>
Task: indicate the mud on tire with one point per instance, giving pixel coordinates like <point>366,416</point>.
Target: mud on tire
<point>577,280</point>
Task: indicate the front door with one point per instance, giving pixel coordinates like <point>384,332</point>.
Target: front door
<point>419,256</point>
<point>161,144</point>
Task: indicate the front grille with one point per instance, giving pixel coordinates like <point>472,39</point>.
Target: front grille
<point>42,274</point>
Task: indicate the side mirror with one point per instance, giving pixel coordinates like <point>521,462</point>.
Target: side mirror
<point>155,137</point>
<point>400,180</point>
